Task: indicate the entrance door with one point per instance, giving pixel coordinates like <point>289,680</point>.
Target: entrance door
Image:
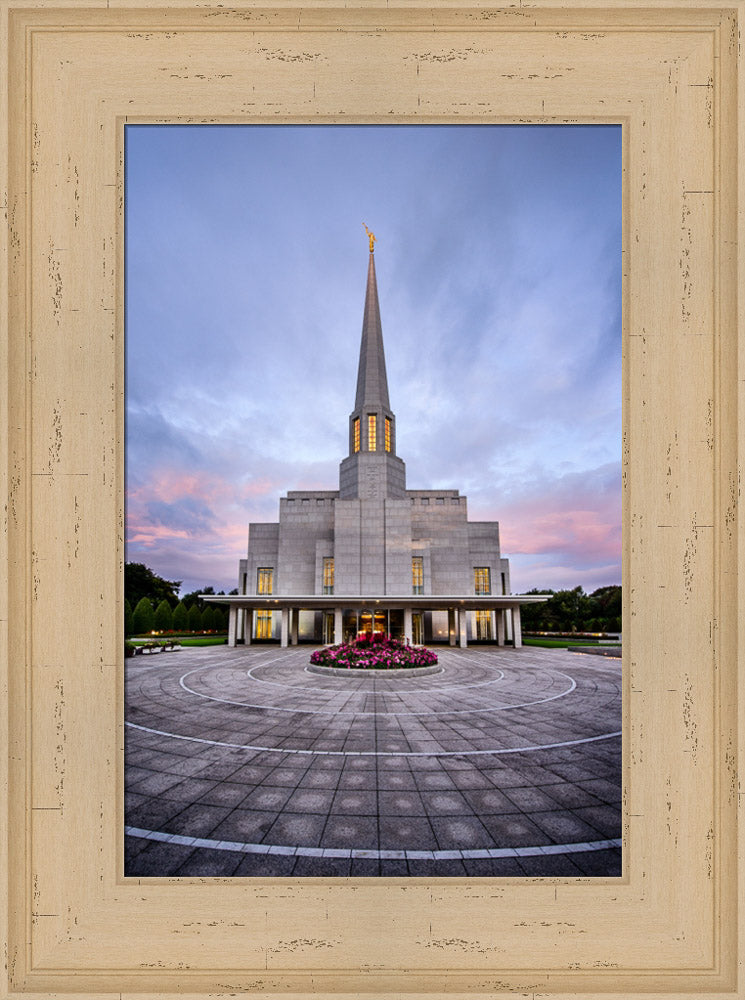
<point>328,628</point>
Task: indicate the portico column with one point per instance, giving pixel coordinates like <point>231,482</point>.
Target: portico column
<point>294,616</point>
<point>408,631</point>
<point>452,620</point>
<point>462,625</point>
<point>232,620</point>
<point>517,627</point>
<point>285,626</point>
<point>337,626</point>
<point>248,626</point>
<point>500,627</point>
<point>508,623</point>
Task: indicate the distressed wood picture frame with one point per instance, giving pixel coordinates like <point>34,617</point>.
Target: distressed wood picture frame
<point>75,74</point>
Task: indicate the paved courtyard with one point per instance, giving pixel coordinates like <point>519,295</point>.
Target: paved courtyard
<point>250,762</point>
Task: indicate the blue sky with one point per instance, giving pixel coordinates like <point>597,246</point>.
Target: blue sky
<point>499,273</point>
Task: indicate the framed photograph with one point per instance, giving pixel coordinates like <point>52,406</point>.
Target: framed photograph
<point>389,702</point>
<point>77,75</point>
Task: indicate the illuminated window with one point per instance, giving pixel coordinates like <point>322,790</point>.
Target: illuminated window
<point>264,580</point>
<point>417,575</point>
<point>263,624</point>
<point>372,432</point>
<point>387,433</point>
<point>483,624</point>
<point>356,433</point>
<point>328,575</point>
<point>481,580</point>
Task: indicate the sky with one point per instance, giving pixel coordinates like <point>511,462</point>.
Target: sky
<point>498,260</point>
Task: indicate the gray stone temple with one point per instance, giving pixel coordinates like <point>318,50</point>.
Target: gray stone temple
<point>373,555</point>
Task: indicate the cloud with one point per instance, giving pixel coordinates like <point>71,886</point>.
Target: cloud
<point>498,262</point>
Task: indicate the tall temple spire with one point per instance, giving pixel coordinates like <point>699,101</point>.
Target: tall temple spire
<point>372,383</point>
<point>372,468</point>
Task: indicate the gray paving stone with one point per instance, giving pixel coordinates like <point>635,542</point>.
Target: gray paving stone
<point>446,801</point>
<point>343,831</point>
<point>301,829</point>
<point>207,863</point>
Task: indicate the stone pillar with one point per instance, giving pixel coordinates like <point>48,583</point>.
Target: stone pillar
<point>232,621</point>
<point>294,617</point>
<point>452,620</point>
<point>462,627</point>
<point>285,626</point>
<point>248,626</point>
<point>508,623</point>
<point>500,627</point>
<point>493,625</point>
<point>337,626</point>
<point>408,631</point>
<point>517,631</point>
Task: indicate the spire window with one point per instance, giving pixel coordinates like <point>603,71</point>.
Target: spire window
<point>387,433</point>
<point>372,432</point>
<point>481,580</point>
<point>356,434</point>
<point>264,580</point>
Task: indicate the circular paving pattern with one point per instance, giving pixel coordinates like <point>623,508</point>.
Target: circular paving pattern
<point>245,762</point>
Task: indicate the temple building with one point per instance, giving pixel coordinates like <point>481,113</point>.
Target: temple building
<point>373,555</point>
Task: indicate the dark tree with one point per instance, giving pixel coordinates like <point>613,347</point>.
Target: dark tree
<point>163,617</point>
<point>180,617</point>
<point>195,618</point>
<point>128,618</point>
<point>143,619</point>
<point>208,619</point>
<point>139,582</point>
<point>194,598</point>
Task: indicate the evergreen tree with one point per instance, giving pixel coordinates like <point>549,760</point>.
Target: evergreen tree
<point>180,617</point>
<point>163,617</point>
<point>208,619</point>
<point>143,619</point>
<point>195,618</point>
<point>128,619</point>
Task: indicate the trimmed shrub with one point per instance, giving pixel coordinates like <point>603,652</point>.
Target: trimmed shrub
<point>163,617</point>
<point>180,617</point>
<point>128,618</point>
<point>195,619</point>
<point>143,619</point>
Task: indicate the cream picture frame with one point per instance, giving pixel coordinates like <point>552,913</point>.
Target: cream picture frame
<point>76,73</point>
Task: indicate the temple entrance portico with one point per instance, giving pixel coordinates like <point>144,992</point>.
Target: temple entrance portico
<point>344,618</point>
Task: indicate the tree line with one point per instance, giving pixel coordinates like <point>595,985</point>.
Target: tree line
<point>152,604</point>
<point>574,611</point>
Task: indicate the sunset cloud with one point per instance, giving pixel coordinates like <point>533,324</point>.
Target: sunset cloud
<point>499,272</point>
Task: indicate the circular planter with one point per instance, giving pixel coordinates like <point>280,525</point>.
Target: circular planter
<point>383,671</point>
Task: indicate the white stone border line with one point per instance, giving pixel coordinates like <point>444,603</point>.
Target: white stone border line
<point>374,753</point>
<point>360,852</point>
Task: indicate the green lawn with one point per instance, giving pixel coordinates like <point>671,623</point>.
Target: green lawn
<point>206,640</point>
<point>561,643</point>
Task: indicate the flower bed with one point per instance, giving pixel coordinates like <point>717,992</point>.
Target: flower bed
<point>374,652</point>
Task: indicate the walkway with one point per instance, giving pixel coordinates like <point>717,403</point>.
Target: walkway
<point>247,761</point>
